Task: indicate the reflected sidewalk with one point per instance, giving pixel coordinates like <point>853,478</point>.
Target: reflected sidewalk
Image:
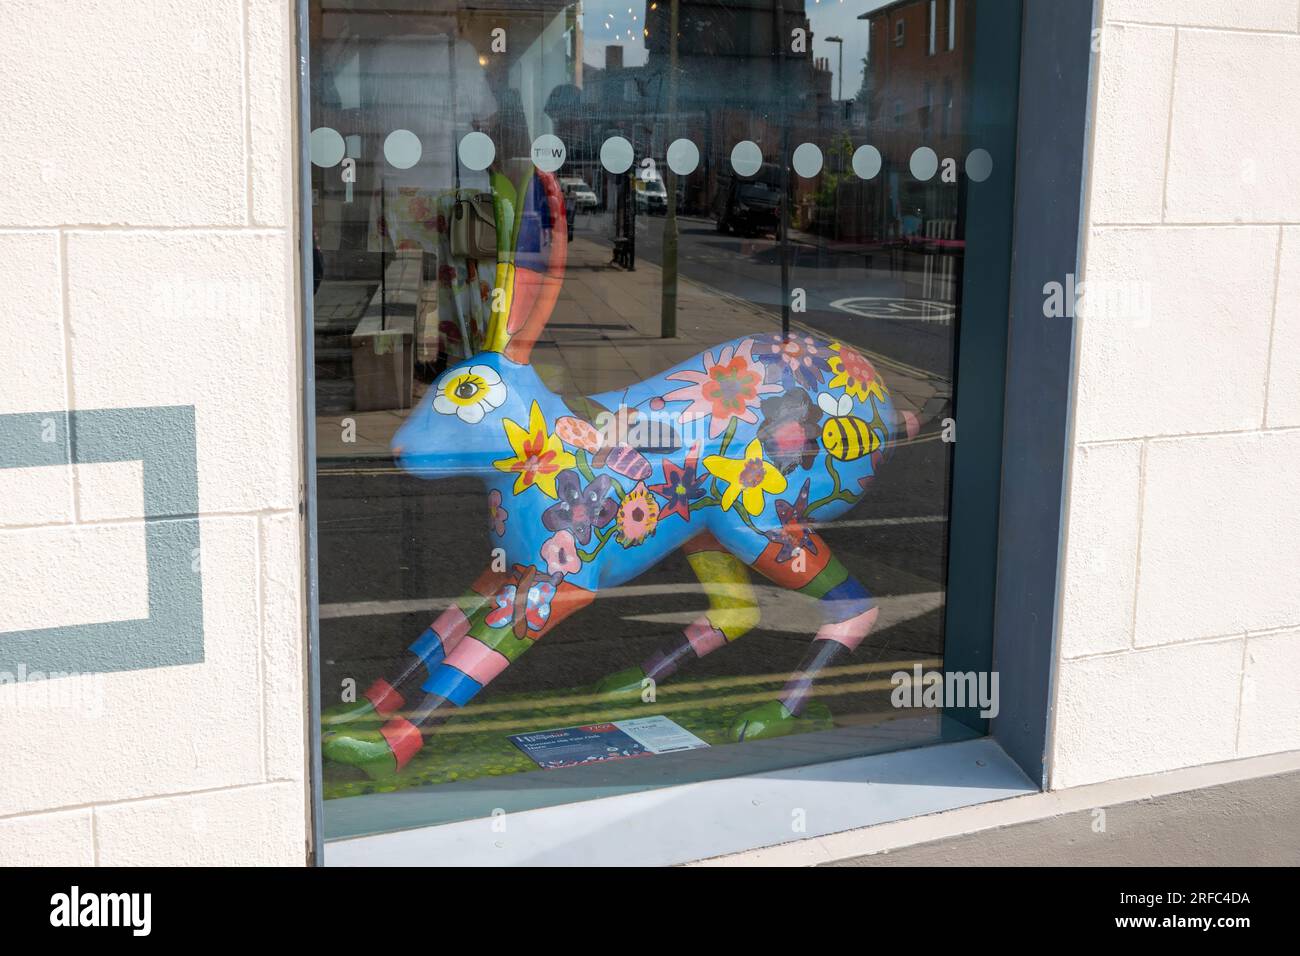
<point>604,335</point>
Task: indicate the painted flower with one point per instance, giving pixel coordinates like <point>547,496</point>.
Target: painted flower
<point>789,429</point>
<point>794,533</point>
<point>525,604</point>
<point>578,433</point>
<point>469,393</point>
<point>496,514</point>
<point>854,373</point>
<point>579,509</point>
<point>796,357</point>
<point>728,388</point>
<point>561,554</point>
<point>747,477</point>
<point>539,456</point>
<point>637,517</point>
<point>681,485</point>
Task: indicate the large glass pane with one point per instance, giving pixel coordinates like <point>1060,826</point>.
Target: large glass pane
<point>635,333</point>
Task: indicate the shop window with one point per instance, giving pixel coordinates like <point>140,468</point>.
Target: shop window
<point>635,397</point>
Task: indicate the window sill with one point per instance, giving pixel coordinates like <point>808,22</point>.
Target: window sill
<point>696,821</point>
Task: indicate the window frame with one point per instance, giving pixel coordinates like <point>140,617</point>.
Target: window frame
<point>1023,470</point>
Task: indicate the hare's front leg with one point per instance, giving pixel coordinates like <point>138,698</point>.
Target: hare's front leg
<point>524,608</point>
<point>386,697</point>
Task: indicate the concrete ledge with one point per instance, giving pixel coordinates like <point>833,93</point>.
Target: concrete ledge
<point>1241,812</point>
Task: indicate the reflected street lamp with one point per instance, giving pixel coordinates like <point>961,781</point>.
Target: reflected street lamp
<point>840,72</point>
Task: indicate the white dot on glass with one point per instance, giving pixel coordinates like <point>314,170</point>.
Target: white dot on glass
<point>746,158</point>
<point>548,153</point>
<point>476,151</point>
<point>807,160</point>
<point>683,157</point>
<point>924,163</point>
<point>866,162</point>
<point>616,155</point>
<point>979,165</point>
<point>326,147</point>
<point>402,149</point>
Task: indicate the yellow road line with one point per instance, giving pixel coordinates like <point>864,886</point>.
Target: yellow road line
<point>659,707</point>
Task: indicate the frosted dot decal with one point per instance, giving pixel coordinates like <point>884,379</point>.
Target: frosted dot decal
<point>476,151</point>
<point>866,162</point>
<point>402,149</point>
<point>683,157</point>
<point>979,165</point>
<point>616,155</point>
<point>746,158</point>
<point>326,147</point>
<point>924,163</point>
<point>807,160</point>
<point>548,153</point>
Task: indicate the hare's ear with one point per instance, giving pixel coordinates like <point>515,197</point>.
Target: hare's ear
<point>530,271</point>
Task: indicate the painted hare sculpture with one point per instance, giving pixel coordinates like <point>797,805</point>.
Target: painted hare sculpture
<point>733,457</point>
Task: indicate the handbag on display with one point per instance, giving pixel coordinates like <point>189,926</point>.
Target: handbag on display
<point>474,228</point>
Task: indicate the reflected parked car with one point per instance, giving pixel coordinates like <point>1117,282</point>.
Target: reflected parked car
<point>582,195</point>
<point>651,196</point>
<point>750,206</point>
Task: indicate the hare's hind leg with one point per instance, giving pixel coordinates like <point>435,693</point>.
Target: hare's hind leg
<point>385,697</point>
<point>523,609</point>
<point>733,611</point>
<point>848,613</point>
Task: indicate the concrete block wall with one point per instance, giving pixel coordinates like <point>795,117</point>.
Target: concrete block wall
<point>148,256</point>
<point>1180,640</point>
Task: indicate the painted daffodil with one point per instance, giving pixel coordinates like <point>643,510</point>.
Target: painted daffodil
<point>538,458</point>
<point>747,477</point>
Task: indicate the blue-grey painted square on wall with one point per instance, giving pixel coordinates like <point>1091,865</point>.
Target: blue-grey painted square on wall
<point>163,439</point>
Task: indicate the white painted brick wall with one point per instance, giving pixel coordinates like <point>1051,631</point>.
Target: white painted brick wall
<point>148,248</point>
<point>1181,588</point>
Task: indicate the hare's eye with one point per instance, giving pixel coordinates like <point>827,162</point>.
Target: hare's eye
<point>469,393</point>
<point>464,389</point>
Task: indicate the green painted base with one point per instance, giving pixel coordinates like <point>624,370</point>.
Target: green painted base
<point>475,743</point>
<point>625,683</point>
<point>771,719</point>
<point>362,748</point>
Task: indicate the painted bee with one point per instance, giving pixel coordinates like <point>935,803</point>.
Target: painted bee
<point>846,437</point>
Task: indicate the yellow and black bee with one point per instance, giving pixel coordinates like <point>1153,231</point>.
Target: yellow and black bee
<point>846,437</point>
